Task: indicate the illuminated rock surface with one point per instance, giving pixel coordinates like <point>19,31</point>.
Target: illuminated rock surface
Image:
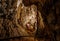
<point>30,20</point>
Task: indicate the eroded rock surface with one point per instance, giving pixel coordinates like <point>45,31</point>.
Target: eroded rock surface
<point>37,19</point>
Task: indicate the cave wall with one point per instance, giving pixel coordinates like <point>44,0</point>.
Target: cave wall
<point>30,20</point>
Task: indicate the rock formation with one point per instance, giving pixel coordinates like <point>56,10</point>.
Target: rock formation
<point>30,20</point>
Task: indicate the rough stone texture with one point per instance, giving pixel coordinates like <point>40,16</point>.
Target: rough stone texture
<point>17,20</point>
<point>7,18</point>
<point>30,20</point>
